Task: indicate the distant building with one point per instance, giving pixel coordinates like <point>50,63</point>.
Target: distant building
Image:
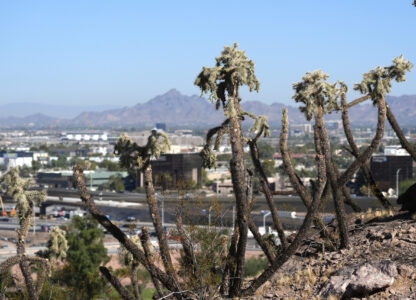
<point>169,169</point>
<point>333,124</point>
<point>161,126</point>
<point>59,179</point>
<point>77,136</point>
<point>13,159</point>
<point>278,159</point>
<point>300,129</point>
<point>93,179</point>
<point>223,188</point>
<point>385,166</point>
<point>16,159</point>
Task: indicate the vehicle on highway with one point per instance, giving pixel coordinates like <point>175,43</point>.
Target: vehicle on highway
<point>45,228</point>
<point>131,219</point>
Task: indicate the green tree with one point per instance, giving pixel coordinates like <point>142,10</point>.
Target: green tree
<point>117,183</point>
<point>86,252</point>
<point>266,150</point>
<point>61,162</point>
<point>36,166</point>
<point>110,166</point>
<point>268,166</point>
<point>404,185</point>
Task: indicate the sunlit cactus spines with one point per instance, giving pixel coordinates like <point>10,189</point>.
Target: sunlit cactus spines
<point>314,90</point>
<point>233,69</point>
<point>132,155</point>
<point>17,188</point>
<point>59,244</point>
<point>209,159</point>
<point>378,81</point>
<point>261,125</point>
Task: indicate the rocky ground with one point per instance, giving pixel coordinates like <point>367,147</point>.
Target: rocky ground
<point>381,263</point>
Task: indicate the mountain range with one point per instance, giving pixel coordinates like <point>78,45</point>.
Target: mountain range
<point>176,109</point>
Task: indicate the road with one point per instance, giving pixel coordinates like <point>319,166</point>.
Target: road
<point>287,203</point>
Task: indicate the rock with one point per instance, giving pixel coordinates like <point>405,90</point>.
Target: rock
<point>373,235</point>
<point>405,270</point>
<point>360,280</point>
<point>336,256</point>
<point>408,199</point>
<point>388,235</point>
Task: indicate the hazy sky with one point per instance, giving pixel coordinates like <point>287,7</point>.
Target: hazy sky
<point>124,52</point>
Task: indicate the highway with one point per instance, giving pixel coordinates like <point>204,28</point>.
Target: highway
<point>287,203</point>
<point>196,207</point>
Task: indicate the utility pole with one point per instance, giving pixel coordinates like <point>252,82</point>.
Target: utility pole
<point>264,219</point>
<point>397,182</point>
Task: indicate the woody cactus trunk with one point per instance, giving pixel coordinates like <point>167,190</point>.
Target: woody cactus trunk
<point>19,189</point>
<point>232,70</point>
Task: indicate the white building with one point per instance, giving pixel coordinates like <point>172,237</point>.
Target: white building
<point>396,150</point>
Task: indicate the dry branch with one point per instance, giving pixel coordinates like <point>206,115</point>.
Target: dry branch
<point>124,293</point>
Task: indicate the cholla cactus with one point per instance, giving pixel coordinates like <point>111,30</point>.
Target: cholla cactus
<point>222,82</point>
<point>314,91</point>
<point>232,70</point>
<point>18,188</point>
<point>132,155</point>
<point>378,81</point>
<point>58,244</point>
<point>260,126</point>
<point>209,158</point>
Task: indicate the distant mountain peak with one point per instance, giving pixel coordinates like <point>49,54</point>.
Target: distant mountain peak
<point>173,92</point>
<point>177,109</point>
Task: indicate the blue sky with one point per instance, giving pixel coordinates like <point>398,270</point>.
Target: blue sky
<point>124,52</point>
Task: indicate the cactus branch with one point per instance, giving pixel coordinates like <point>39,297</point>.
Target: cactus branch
<point>303,230</point>
<point>355,152</point>
<point>267,192</point>
<point>260,240</point>
<point>294,179</point>
<point>154,271</point>
<point>365,156</point>
<point>125,294</point>
<point>145,240</point>
<point>399,132</point>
